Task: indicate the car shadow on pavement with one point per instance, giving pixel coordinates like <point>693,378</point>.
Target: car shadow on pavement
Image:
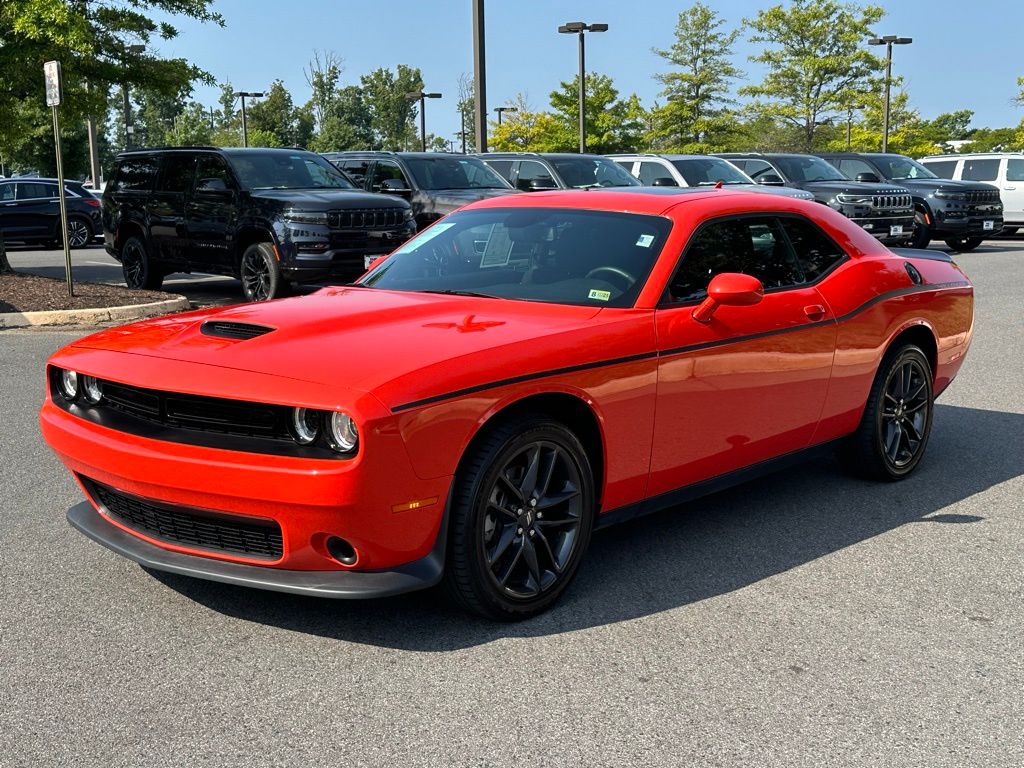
<point>681,556</point>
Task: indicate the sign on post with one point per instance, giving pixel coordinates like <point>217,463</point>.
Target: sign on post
<point>54,96</point>
<point>54,86</point>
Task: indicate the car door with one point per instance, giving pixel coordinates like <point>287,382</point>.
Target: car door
<point>166,208</point>
<point>1011,190</point>
<point>212,215</point>
<point>10,224</point>
<point>749,384</point>
<point>37,209</point>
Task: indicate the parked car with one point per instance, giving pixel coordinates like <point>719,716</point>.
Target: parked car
<point>533,171</point>
<point>527,370</point>
<point>961,213</point>
<point>270,217</point>
<point>696,171</point>
<point>883,210</point>
<point>434,183</point>
<point>30,212</point>
<point>1003,169</point>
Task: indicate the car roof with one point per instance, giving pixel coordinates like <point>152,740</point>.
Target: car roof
<point>642,200</point>
<point>952,156</point>
<point>547,155</point>
<point>357,153</point>
<point>36,179</point>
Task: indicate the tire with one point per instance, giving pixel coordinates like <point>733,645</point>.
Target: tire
<point>505,560</point>
<point>922,232</point>
<point>1009,231</point>
<point>261,274</point>
<point>964,244</point>
<point>80,232</point>
<point>897,421</point>
<point>140,270</point>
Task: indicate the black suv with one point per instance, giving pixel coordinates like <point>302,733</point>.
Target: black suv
<point>534,171</point>
<point>434,183</point>
<point>963,213</point>
<point>30,212</point>
<point>883,210</point>
<point>270,217</point>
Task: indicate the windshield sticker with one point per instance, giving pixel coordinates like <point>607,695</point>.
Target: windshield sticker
<point>425,237</point>
<point>644,241</point>
<point>599,295</point>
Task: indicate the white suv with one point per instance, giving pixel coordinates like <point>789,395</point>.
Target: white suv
<point>1004,169</point>
<point>696,171</point>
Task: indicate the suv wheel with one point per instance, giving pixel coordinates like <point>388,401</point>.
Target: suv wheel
<point>79,231</point>
<point>140,271</point>
<point>922,232</point>
<point>963,244</point>
<point>260,274</point>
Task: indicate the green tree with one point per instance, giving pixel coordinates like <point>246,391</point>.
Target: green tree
<point>392,113</point>
<point>341,116</point>
<point>526,130</point>
<point>697,88</point>
<point>467,113</point>
<point>191,127</point>
<point>612,124</point>
<point>274,116</point>
<point>815,56</point>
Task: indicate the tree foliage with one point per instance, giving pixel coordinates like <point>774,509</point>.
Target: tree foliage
<point>612,124</point>
<point>392,113</point>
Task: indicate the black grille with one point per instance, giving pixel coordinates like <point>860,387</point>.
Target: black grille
<point>891,202</point>
<point>228,330</point>
<point>257,538</point>
<point>365,218</point>
<point>983,196</point>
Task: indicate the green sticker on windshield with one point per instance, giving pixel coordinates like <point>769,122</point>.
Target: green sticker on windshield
<point>599,295</point>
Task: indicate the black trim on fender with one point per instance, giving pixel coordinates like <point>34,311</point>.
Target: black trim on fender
<point>676,350</point>
<point>921,253</point>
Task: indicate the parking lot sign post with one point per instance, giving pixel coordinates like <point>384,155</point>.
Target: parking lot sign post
<point>54,96</point>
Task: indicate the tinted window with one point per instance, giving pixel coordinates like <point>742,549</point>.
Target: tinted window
<point>35,190</point>
<point>1015,170</point>
<point>531,171</point>
<point>453,173</point>
<point>502,168</point>
<point>212,167</point>
<point>6,191</point>
<point>176,175</point>
<point>707,171</point>
<point>900,167</point>
<point>550,255</point>
<point>755,169</point>
<point>851,166</point>
<point>586,172</point>
<point>814,249</point>
<point>135,174</point>
<point>650,171</point>
<point>754,246</point>
<point>981,170</point>
<point>356,169</point>
<point>807,168</point>
<point>286,170</point>
<point>384,170</point>
<point>942,168</point>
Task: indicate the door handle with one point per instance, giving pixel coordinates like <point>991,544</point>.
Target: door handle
<point>1011,188</point>
<point>9,205</point>
<point>814,311</point>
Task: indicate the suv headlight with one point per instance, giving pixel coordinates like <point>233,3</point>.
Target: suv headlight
<point>951,195</point>
<point>305,217</point>
<point>407,214</point>
<point>854,199</point>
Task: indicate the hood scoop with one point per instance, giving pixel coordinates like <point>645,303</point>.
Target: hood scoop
<point>224,329</point>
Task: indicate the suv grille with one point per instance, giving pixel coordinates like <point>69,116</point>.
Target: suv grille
<point>253,537</point>
<point>365,218</point>
<point>890,202</point>
<point>982,196</point>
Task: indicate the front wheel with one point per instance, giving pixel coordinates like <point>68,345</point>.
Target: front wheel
<point>897,420</point>
<point>963,244</point>
<point>521,518</point>
<point>261,274</point>
<point>922,232</point>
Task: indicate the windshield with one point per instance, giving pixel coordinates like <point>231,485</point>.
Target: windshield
<point>804,168</point>
<point>900,167</point>
<point>445,172</point>
<point>587,172</point>
<point>550,255</point>
<point>705,171</point>
<point>286,170</point>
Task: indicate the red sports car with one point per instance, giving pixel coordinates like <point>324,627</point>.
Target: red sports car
<point>524,371</point>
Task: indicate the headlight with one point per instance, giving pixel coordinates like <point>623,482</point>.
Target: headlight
<point>69,384</point>
<point>93,389</point>
<point>305,425</point>
<point>854,199</point>
<point>951,195</point>
<point>305,217</point>
<point>407,214</point>
<point>342,434</point>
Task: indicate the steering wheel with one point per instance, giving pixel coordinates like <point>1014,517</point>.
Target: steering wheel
<point>617,272</point>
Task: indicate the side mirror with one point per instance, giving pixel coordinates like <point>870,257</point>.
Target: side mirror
<point>664,181</point>
<point>733,289</point>
<point>213,186</point>
<point>871,178</point>
<point>771,180</point>
<point>538,185</point>
<point>395,187</point>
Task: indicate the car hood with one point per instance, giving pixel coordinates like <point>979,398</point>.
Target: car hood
<point>853,187</point>
<point>326,199</point>
<point>928,186</point>
<point>398,345</point>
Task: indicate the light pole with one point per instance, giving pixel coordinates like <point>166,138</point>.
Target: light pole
<point>888,41</point>
<point>245,125</point>
<point>578,28</point>
<point>422,97</point>
<point>849,123</point>
<point>129,129</point>
<point>500,110</point>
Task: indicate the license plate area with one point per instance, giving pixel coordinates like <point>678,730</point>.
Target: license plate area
<point>988,225</point>
<point>895,230</point>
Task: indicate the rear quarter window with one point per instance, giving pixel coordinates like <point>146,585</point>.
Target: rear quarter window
<point>942,168</point>
<point>981,170</point>
<point>135,174</point>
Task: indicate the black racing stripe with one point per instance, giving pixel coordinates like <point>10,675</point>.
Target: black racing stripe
<point>677,350</point>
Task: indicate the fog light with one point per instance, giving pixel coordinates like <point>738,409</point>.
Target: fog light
<point>305,425</point>
<point>93,389</point>
<point>69,384</point>
<point>341,551</point>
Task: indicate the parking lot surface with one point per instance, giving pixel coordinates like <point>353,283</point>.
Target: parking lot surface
<point>806,619</point>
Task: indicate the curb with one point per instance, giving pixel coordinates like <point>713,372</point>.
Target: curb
<point>91,316</point>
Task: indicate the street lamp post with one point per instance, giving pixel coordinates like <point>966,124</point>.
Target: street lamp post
<point>578,28</point>
<point>422,97</point>
<point>245,125</point>
<point>888,41</point>
<point>500,110</point>
<point>129,129</point>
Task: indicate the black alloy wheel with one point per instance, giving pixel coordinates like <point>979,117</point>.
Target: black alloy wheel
<point>260,274</point>
<point>922,232</point>
<point>964,244</point>
<point>79,232</point>
<point>897,421</point>
<point>521,520</point>
<point>139,270</point>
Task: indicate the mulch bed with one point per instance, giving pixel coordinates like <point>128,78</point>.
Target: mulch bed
<point>20,292</point>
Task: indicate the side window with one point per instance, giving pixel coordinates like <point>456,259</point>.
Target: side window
<point>502,167</point>
<point>626,165</point>
<point>212,167</point>
<point>531,171</point>
<point>135,174</point>
<point>851,166</point>
<point>650,171</point>
<point>6,192</point>
<point>1015,170</point>
<point>176,175</point>
<point>981,170</point>
<point>815,251</point>
<point>36,191</point>
<point>942,168</point>
<point>751,245</point>
<point>386,170</point>
<point>756,168</point>
<point>356,169</point>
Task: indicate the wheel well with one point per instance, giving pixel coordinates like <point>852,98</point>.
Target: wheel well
<point>128,230</point>
<point>558,406</point>
<point>920,336</point>
<point>247,237</point>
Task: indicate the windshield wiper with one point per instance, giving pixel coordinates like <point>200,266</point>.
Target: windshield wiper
<point>451,292</point>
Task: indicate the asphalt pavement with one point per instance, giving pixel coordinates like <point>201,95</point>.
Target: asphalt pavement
<point>806,619</point>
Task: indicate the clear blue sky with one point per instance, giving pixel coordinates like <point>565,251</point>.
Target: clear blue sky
<point>964,55</point>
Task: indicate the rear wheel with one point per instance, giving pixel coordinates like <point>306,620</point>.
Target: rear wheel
<point>922,232</point>
<point>79,231</point>
<point>521,518</point>
<point>261,274</point>
<point>963,244</point>
<point>140,271</point>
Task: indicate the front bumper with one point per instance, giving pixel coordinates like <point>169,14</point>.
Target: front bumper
<point>418,574</point>
<point>880,227</point>
<point>964,226</point>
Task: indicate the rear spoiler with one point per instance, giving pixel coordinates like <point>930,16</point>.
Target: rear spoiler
<point>922,253</point>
